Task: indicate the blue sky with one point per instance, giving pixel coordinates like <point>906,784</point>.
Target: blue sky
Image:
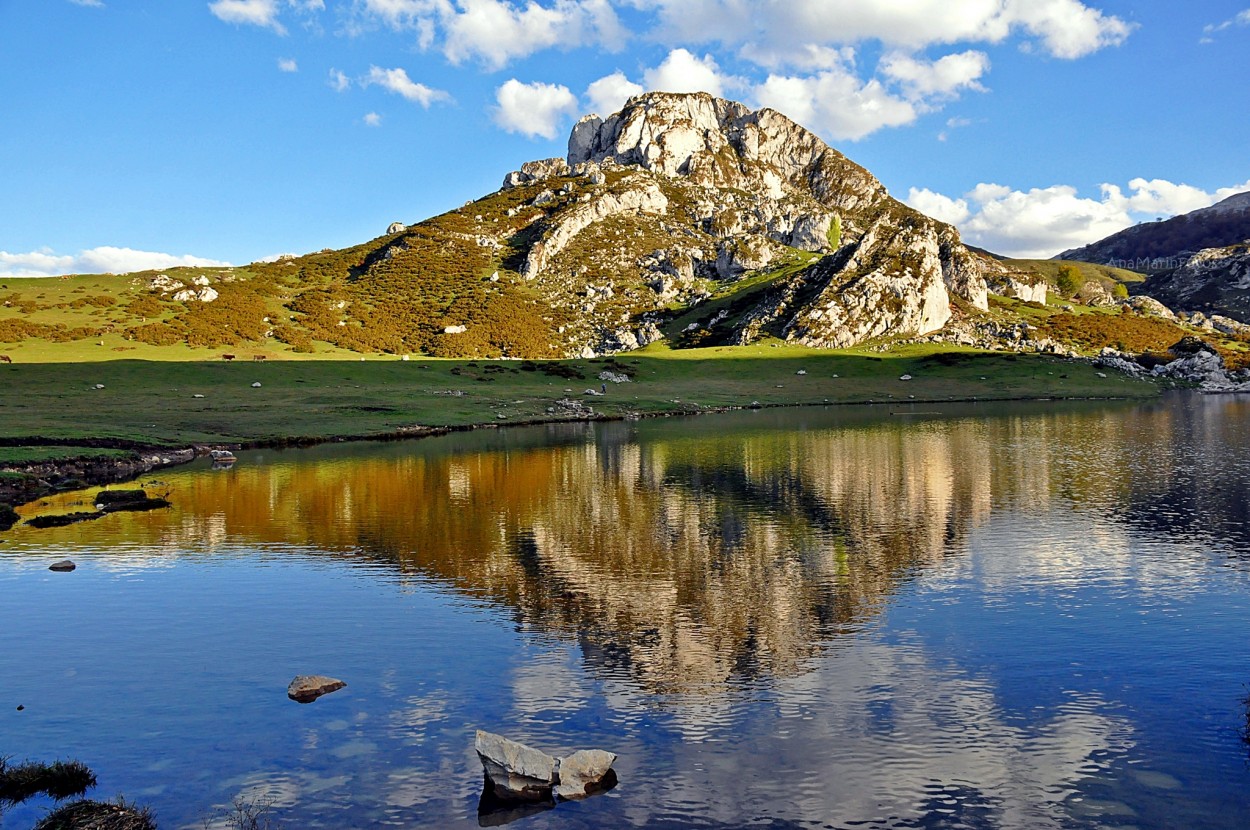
<point>138,134</point>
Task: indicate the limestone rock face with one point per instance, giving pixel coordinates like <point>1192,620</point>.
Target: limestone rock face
<point>646,198</point>
<point>1022,289</point>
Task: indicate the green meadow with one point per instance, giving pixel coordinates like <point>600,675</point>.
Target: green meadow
<point>180,403</point>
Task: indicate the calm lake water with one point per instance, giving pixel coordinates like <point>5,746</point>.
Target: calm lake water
<point>1026,616</point>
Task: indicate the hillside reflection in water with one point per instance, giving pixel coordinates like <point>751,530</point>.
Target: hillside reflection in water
<point>876,607</point>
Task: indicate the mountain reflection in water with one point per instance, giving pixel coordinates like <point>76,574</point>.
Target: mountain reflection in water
<point>815,618</point>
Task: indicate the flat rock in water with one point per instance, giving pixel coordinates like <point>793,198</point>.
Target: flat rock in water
<point>64,565</point>
<point>116,497</point>
<point>308,687</point>
<point>515,771</point>
<point>585,772</point>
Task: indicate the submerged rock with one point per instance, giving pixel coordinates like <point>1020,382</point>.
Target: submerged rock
<point>308,687</point>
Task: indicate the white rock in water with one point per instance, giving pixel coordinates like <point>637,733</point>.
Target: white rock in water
<point>308,687</point>
<point>584,772</point>
<point>515,771</point>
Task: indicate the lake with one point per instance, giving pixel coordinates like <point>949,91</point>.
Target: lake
<point>1009,616</point>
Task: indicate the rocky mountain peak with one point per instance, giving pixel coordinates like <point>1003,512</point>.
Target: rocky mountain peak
<point>698,220</point>
<point>718,143</point>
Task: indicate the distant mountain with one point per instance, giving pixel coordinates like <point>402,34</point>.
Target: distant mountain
<point>1164,246</point>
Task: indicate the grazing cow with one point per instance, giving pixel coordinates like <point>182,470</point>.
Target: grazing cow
<point>227,357</point>
<point>258,357</point>
<point>4,358</point>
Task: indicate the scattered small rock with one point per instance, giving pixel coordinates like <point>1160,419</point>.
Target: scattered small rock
<point>256,385</point>
<point>64,566</point>
<point>308,687</point>
<point>801,372</point>
<point>904,377</point>
<point>197,396</point>
<point>99,386</point>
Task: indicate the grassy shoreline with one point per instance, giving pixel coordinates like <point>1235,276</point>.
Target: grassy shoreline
<point>55,415</point>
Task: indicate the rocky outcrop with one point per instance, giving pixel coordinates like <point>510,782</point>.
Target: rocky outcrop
<point>1022,288</point>
<point>536,171</point>
<point>646,197</point>
<point>1151,306</point>
<point>306,688</point>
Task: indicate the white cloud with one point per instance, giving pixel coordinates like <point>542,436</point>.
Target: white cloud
<point>953,124</point>
<point>533,109</point>
<point>95,4</point>
<point>262,13</point>
<point>1066,28</point>
<point>339,81</point>
<point>837,103</point>
<point>397,81</point>
<point>1069,29</point>
<point>1242,18</point>
<point>403,14</point>
<point>608,94</point>
<point>942,79</point>
<point>497,32</point>
<point>681,71</point>
<point>372,119</point>
<point>942,208</point>
<point>287,65</point>
<point>251,12</point>
<point>1045,221</point>
<point>106,259</point>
